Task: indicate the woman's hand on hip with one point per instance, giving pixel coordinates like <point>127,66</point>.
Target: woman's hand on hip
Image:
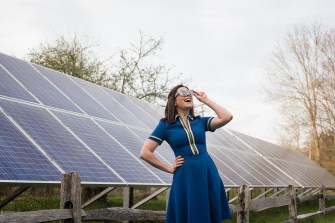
<point>177,163</point>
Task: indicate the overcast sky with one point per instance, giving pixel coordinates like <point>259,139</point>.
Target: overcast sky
<point>222,45</point>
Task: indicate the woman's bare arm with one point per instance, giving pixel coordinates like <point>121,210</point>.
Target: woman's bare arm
<point>147,154</point>
<point>223,115</point>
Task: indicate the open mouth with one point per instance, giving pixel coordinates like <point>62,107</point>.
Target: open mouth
<point>188,99</point>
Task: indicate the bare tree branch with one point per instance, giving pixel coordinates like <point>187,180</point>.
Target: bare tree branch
<point>301,75</point>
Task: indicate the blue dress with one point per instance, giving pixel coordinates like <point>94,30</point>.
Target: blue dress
<point>197,193</point>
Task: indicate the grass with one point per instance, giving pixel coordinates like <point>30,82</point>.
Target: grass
<point>274,215</point>
<point>278,215</point>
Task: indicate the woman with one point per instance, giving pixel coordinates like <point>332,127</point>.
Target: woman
<point>197,193</point>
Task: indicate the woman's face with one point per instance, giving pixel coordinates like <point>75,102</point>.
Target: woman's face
<point>184,98</point>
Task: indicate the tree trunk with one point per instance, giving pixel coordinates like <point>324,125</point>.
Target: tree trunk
<point>316,141</point>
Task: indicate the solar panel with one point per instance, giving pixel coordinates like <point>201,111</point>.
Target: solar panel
<point>229,141</point>
<point>11,88</point>
<point>41,88</point>
<point>163,150</point>
<point>225,156</point>
<point>58,142</point>
<point>19,158</point>
<point>229,172</point>
<point>297,167</point>
<point>269,171</point>
<point>108,149</point>
<point>243,161</point>
<point>79,97</point>
<point>132,143</point>
<point>112,106</point>
<point>155,112</point>
<point>53,123</point>
<point>129,112</point>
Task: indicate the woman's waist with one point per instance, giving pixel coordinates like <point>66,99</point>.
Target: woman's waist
<point>190,155</point>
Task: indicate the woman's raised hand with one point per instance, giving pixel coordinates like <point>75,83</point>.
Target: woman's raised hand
<point>200,95</point>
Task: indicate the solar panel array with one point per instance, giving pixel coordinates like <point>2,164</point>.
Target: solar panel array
<point>52,123</point>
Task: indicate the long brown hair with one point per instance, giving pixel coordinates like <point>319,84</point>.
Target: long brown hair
<point>170,109</point>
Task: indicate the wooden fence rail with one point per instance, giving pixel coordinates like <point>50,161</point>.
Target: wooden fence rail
<point>71,211</point>
<point>291,200</point>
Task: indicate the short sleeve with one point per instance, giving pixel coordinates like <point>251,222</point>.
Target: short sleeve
<point>159,133</point>
<point>207,122</point>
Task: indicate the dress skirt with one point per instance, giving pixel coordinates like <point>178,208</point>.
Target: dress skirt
<point>197,193</point>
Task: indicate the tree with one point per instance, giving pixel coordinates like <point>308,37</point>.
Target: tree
<point>293,132</point>
<point>72,55</point>
<point>296,72</point>
<point>327,83</point>
<point>328,148</point>
<point>138,72</point>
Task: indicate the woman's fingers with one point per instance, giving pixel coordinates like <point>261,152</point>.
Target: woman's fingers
<point>179,161</point>
<point>199,94</point>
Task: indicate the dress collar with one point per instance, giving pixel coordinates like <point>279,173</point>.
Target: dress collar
<point>189,115</point>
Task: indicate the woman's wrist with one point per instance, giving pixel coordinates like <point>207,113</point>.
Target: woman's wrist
<point>205,100</point>
<point>171,169</point>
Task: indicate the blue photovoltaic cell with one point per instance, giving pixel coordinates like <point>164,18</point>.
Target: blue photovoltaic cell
<point>75,93</point>
<point>224,172</point>
<point>257,172</point>
<point>127,166</point>
<point>229,141</point>
<point>36,84</point>
<point>305,174</point>
<point>211,139</point>
<point>272,150</point>
<point>155,111</point>
<point>59,143</point>
<point>295,172</point>
<point>130,141</point>
<point>134,108</point>
<point>256,166</point>
<point>163,150</point>
<point>225,157</point>
<point>292,163</point>
<point>110,104</point>
<point>325,176</point>
<point>266,169</point>
<point>228,171</point>
<point>20,160</point>
<point>257,145</point>
<point>10,88</point>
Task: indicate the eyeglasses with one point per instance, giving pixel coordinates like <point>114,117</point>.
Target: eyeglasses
<point>184,93</point>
